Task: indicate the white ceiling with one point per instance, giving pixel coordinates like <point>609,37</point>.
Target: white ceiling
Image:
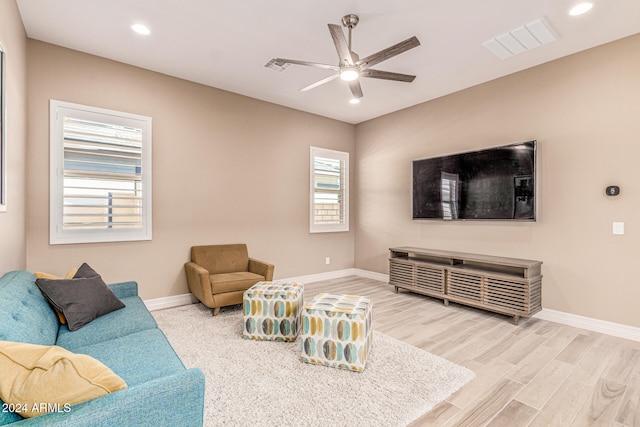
<point>225,44</point>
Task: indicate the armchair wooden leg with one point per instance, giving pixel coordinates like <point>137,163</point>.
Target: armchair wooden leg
<point>216,311</point>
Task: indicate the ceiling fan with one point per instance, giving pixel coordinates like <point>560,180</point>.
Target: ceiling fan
<point>351,67</point>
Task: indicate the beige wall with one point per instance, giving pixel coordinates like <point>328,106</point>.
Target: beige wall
<point>12,222</point>
<point>584,110</point>
<point>226,169</point>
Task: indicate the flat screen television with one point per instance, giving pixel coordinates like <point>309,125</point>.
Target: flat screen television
<point>491,184</point>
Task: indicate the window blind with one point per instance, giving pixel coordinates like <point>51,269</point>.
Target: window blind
<point>329,190</point>
<point>328,195</point>
<point>102,176</point>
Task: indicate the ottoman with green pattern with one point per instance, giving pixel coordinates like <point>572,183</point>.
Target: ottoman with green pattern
<point>272,311</point>
<point>337,331</point>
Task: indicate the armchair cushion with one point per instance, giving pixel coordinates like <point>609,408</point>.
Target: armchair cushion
<point>230,282</point>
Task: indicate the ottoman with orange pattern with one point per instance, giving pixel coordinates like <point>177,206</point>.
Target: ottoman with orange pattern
<point>272,311</point>
<point>337,331</point>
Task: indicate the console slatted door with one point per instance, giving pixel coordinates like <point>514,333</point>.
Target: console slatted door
<point>535,296</point>
<point>430,278</point>
<point>464,285</point>
<point>521,296</point>
<point>400,273</point>
<point>510,294</point>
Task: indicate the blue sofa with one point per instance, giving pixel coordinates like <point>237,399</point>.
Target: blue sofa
<point>160,390</point>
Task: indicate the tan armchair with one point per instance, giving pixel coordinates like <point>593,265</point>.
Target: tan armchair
<point>218,275</point>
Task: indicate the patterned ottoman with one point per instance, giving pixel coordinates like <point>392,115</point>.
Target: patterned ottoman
<point>272,311</point>
<point>337,331</point>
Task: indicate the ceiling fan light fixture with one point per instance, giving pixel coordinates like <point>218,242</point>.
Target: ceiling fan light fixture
<point>354,101</point>
<point>349,74</point>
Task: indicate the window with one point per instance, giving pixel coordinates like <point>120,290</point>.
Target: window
<point>449,195</point>
<point>100,175</point>
<point>329,190</point>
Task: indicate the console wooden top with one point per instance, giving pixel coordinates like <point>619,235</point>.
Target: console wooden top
<point>469,257</point>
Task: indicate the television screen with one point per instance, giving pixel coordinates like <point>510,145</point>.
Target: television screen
<point>492,184</point>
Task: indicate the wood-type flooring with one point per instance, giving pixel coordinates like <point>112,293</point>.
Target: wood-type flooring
<point>538,373</point>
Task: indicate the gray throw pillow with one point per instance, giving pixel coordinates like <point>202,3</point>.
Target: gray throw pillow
<point>81,299</point>
<point>85,271</point>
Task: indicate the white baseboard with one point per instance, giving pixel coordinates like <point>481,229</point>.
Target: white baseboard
<point>185,299</point>
<point>588,323</point>
<point>372,275</point>
<point>337,275</point>
<point>320,276</point>
<point>169,302</point>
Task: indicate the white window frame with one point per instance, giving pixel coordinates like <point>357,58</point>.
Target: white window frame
<point>57,234</point>
<point>3,133</point>
<point>343,225</point>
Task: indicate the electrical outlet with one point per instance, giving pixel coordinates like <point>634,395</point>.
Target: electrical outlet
<point>618,228</point>
<point>327,260</point>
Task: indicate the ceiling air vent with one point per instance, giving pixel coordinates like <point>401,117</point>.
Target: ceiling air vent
<point>276,64</point>
<point>521,39</point>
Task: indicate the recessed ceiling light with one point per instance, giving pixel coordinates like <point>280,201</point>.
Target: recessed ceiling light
<point>141,29</point>
<point>354,101</point>
<point>580,8</point>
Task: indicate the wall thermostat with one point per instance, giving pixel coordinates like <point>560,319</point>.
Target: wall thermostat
<point>612,190</point>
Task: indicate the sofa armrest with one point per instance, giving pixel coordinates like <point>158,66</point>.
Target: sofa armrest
<point>124,289</point>
<point>174,400</point>
<point>262,268</point>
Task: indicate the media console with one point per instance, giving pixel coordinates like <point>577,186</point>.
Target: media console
<point>503,285</point>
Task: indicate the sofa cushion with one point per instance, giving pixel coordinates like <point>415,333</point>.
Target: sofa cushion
<point>80,300</point>
<point>217,259</point>
<point>37,379</point>
<point>137,358</point>
<point>229,282</point>
<point>134,317</point>
<point>25,315</point>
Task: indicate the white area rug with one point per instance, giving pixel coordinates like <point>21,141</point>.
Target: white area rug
<point>264,383</point>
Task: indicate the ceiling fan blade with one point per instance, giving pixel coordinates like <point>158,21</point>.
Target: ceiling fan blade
<point>341,44</point>
<point>356,89</point>
<point>389,52</point>
<point>281,62</point>
<point>386,75</point>
<point>320,82</point>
